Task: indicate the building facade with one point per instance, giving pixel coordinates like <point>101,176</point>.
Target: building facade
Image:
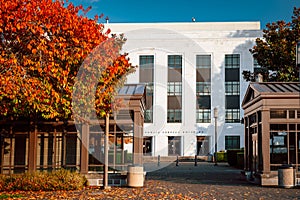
<point>190,69</point>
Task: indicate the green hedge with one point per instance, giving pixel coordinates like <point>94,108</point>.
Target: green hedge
<point>43,181</point>
<point>222,156</point>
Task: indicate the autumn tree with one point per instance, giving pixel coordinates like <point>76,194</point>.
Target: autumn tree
<point>275,53</point>
<point>43,45</point>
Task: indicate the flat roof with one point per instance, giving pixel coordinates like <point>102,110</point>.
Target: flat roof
<point>186,26</point>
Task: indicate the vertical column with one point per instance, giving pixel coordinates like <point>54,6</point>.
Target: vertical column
<point>32,151</point>
<point>247,144</point>
<point>84,158</point>
<point>105,171</point>
<point>265,116</point>
<point>64,145</point>
<point>138,139</point>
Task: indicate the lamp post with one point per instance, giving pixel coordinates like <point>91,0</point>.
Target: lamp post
<point>216,133</point>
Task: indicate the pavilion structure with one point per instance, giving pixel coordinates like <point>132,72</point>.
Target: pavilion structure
<point>272,129</point>
<point>48,145</point>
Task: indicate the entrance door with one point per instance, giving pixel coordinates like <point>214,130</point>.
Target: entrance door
<point>174,145</point>
<point>202,145</point>
<point>147,146</point>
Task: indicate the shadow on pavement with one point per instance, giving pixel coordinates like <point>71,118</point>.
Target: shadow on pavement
<point>203,173</point>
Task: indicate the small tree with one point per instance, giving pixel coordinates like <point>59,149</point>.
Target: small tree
<point>276,51</point>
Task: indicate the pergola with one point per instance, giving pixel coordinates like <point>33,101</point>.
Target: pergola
<point>272,129</point>
<point>46,145</point>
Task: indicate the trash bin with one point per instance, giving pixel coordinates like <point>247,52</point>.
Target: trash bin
<point>286,176</point>
<point>135,176</point>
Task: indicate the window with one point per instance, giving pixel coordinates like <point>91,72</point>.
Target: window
<point>149,89</point>
<point>203,61</point>
<point>278,147</point>
<point>232,116</point>
<point>203,102</point>
<point>147,76</point>
<point>232,142</point>
<point>232,102</point>
<point>232,88</point>
<point>148,118</point>
<point>232,61</point>
<point>174,115</point>
<point>292,114</point>
<point>147,61</point>
<point>174,88</point>
<point>174,61</point>
<point>203,115</point>
<point>278,114</point>
<point>203,88</point>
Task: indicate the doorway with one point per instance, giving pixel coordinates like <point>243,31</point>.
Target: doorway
<point>202,145</point>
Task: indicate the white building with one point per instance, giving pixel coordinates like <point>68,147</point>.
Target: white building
<point>190,69</point>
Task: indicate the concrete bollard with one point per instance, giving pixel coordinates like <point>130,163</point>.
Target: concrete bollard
<point>158,160</point>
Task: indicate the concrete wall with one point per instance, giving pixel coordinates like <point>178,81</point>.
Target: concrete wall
<point>189,40</point>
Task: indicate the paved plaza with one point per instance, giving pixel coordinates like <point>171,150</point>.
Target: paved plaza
<point>207,181</point>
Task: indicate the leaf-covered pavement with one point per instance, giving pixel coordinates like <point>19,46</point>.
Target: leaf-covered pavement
<point>157,189</point>
<point>151,190</point>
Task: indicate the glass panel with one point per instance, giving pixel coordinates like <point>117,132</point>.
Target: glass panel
<point>203,88</point>
<point>174,88</point>
<point>174,116</point>
<point>278,147</point>
<point>232,142</point>
<point>278,114</point>
<point>175,61</point>
<point>232,116</point>
<point>203,61</point>
<point>292,148</point>
<point>203,115</point>
<point>232,61</point>
<point>232,88</point>
<point>292,114</point>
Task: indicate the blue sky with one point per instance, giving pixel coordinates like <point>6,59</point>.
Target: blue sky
<point>183,10</point>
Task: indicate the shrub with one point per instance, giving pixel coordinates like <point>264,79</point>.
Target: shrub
<point>43,181</point>
<point>222,156</point>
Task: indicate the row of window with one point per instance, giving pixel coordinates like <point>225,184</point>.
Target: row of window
<point>203,87</point>
<point>202,115</point>
<point>202,61</point>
